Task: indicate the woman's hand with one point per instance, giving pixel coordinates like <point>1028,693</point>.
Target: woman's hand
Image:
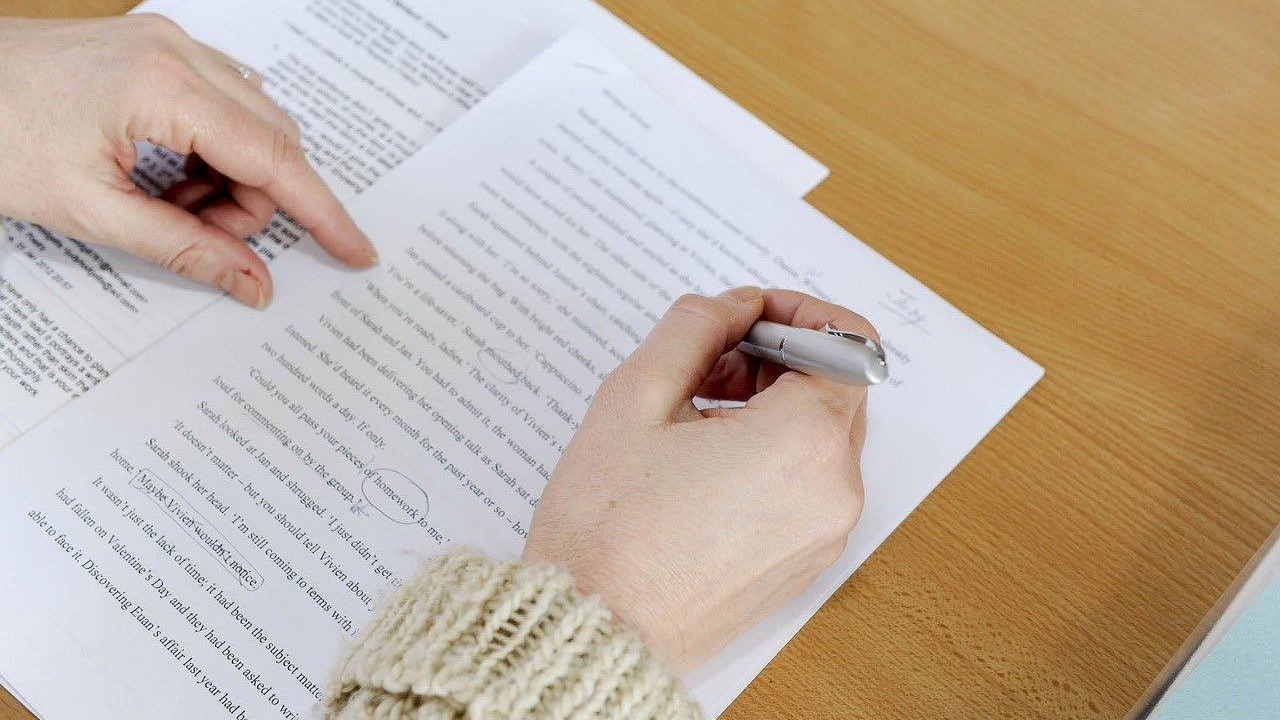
<point>693,525</point>
<point>75,95</point>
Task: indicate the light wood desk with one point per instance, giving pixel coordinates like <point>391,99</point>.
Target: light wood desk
<point>1098,182</point>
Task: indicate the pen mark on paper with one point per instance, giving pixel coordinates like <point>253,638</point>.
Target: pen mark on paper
<point>500,364</point>
<point>905,307</point>
<point>592,68</point>
<point>395,496</point>
<point>197,527</point>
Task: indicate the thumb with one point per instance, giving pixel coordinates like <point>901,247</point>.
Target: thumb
<point>667,369</point>
<point>182,243</point>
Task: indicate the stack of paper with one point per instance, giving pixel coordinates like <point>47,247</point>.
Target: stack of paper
<point>201,532</point>
<point>370,81</point>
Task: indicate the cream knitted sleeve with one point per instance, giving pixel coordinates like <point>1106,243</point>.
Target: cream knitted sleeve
<point>473,638</point>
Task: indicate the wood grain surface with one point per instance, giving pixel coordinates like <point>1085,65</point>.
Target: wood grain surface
<point>1097,182</point>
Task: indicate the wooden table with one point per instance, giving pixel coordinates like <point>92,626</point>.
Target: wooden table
<point>1098,182</point>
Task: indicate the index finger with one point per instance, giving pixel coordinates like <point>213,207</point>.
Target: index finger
<point>242,145</point>
<point>802,310</point>
<point>739,377</point>
<point>804,395</point>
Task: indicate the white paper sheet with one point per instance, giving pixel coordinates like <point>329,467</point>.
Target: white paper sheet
<point>687,91</point>
<point>242,492</point>
<point>370,81</point>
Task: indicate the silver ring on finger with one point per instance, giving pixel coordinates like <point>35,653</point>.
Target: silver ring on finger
<point>243,71</point>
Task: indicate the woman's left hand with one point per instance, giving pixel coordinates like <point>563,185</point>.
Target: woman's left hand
<point>75,95</point>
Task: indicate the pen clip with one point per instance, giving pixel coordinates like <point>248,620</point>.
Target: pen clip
<point>849,335</point>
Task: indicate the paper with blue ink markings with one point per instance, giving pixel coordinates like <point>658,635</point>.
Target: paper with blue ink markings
<point>366,419</point>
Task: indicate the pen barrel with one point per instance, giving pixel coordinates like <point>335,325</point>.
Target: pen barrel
<point>814,353</point>
<point>765,340</point>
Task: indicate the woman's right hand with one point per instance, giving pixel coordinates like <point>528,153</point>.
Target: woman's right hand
<point>692,525</point>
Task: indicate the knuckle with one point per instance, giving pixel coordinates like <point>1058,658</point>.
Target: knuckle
<point>701,308</point>
<point>158,25</point>
<point>162,70</point>
<point>648,391</point>
<point>617,390</point>
<point>843,513</point>
<point>286,153</point>
<point>833,551</point>
<point>852,507</point>
<point>182,260</point>
<point>628,392</point>
<point>286,156</point>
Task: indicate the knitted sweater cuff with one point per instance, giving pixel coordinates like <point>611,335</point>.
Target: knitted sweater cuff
<point>482,639</point>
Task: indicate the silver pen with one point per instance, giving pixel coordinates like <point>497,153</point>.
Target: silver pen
<point>837,354</point>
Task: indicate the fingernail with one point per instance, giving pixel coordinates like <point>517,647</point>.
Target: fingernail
<point>242,286</point>
<point>371,253</point>
<point>746,295</point>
